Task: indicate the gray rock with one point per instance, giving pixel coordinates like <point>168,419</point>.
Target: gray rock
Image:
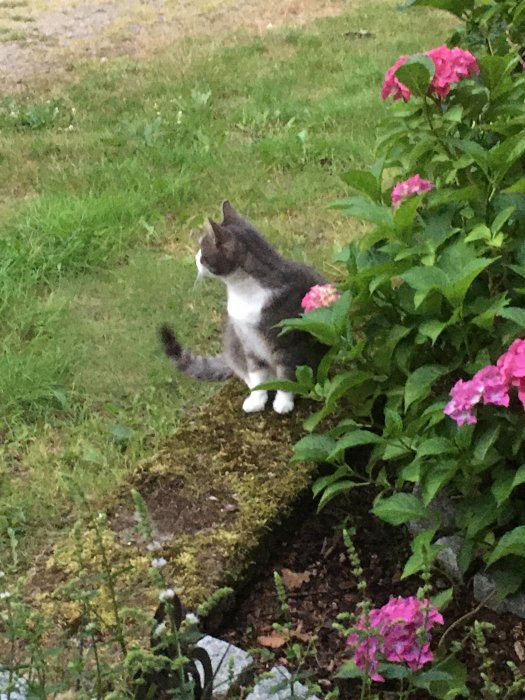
<point>483,585</point>
<point>440,510</point>
<point>279,677</point>
<point>448,557</point>
<point>19,692</point>
<point>229,663</point>
<point>516,604</point>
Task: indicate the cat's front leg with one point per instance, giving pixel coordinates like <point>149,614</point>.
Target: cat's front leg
<point>284,400</point>
<point>257,399</point>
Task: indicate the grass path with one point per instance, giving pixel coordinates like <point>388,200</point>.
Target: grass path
<point>105,180</point>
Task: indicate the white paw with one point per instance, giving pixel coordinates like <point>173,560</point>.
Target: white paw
<point>283,402</point>
<point>256,401</point>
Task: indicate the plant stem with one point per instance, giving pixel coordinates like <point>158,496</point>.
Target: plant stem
<point>465,617</point>
<point>108,577</point>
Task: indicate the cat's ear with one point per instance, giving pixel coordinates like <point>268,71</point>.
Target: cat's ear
<point>230,215</point>
<point>220,234</point>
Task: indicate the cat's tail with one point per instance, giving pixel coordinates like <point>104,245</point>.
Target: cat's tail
<point>211,368</point>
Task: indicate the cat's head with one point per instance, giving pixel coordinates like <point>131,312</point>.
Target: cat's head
<point>228,247</point>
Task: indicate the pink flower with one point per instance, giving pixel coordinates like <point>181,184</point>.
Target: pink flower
<point>512,367</point>
<point>397,632</point>
<point>320,295</point>
<point>491,383</point>
<point>414,185</point>
<point>451,65</point>
<point>494,388</point>
<point>392,86</point>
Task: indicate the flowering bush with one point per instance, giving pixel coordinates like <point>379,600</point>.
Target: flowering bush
<point>397,632</point>
<point>434,293</point>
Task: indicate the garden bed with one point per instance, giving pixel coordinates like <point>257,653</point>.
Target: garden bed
<point>320,584</point>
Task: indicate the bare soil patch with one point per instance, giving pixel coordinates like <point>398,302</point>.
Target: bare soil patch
<point>41,40</point>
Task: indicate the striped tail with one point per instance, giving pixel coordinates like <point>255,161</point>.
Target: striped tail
<point>213,368</point>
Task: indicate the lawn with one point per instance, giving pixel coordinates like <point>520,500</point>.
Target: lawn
<point>104,182</point>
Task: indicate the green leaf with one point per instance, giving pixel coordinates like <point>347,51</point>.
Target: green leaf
<point>405,214</point>
<point>481,514</point>
<point>503,156</point>
<point>486,441</point>
<point>449,688</point>
<point>312,421</point>
<point>505,482</point>
<point>416,73</point>
<point>362,208</point>
<point>432,329</point>
<point>479,233</point>
<point>507,580</point>
<point>363,181</point>
<point>317,322</point>
<point>502,486</point>
<point>435,446</point>
<point>461,281</point>
<point>515,314</point>
<point>394,671</point>
<point>439,475</point>
<point>399,508</point>
<point>280,385</point>
<point>353,439</point>
<point>313,447</point>
<point>479,154</point>
<point>344,381</point>
<point>459,194</point>
<point>419,384</point>
<point>324,482</point>
<point>502,218</point>
<point>512,542</point>
<point>425,277</point>
<point>349,670</point>
<point>443,598</point>
<point>334,490</point>
<point>518,186</point>
<point>492,70</point>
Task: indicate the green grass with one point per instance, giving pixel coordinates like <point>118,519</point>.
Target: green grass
<point>102,183</point>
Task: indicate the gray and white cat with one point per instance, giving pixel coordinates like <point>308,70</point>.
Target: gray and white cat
<point>263,288</point>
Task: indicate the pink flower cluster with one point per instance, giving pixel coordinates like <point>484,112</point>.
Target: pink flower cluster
<point>320,295</point>
<point>414,185</point>
<point>451,65</point>
<point>398,632</point>
<point>491,384</point>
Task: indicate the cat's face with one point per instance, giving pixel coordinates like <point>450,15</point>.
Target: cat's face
<point>220,253</point>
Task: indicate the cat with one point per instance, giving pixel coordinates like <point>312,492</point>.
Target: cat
<point>263,288</point>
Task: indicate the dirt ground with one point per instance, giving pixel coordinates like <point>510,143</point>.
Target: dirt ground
<point>43,38</point>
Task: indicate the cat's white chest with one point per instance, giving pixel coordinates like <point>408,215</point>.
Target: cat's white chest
<point>246,302</point>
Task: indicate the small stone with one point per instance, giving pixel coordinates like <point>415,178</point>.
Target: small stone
<point>483,586</point>
<point>277,686</point>
<point>19,692</point>
<point>516,605</point>
<point>231,507</point>
<point>448,557</point>
<point>229,663</point>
